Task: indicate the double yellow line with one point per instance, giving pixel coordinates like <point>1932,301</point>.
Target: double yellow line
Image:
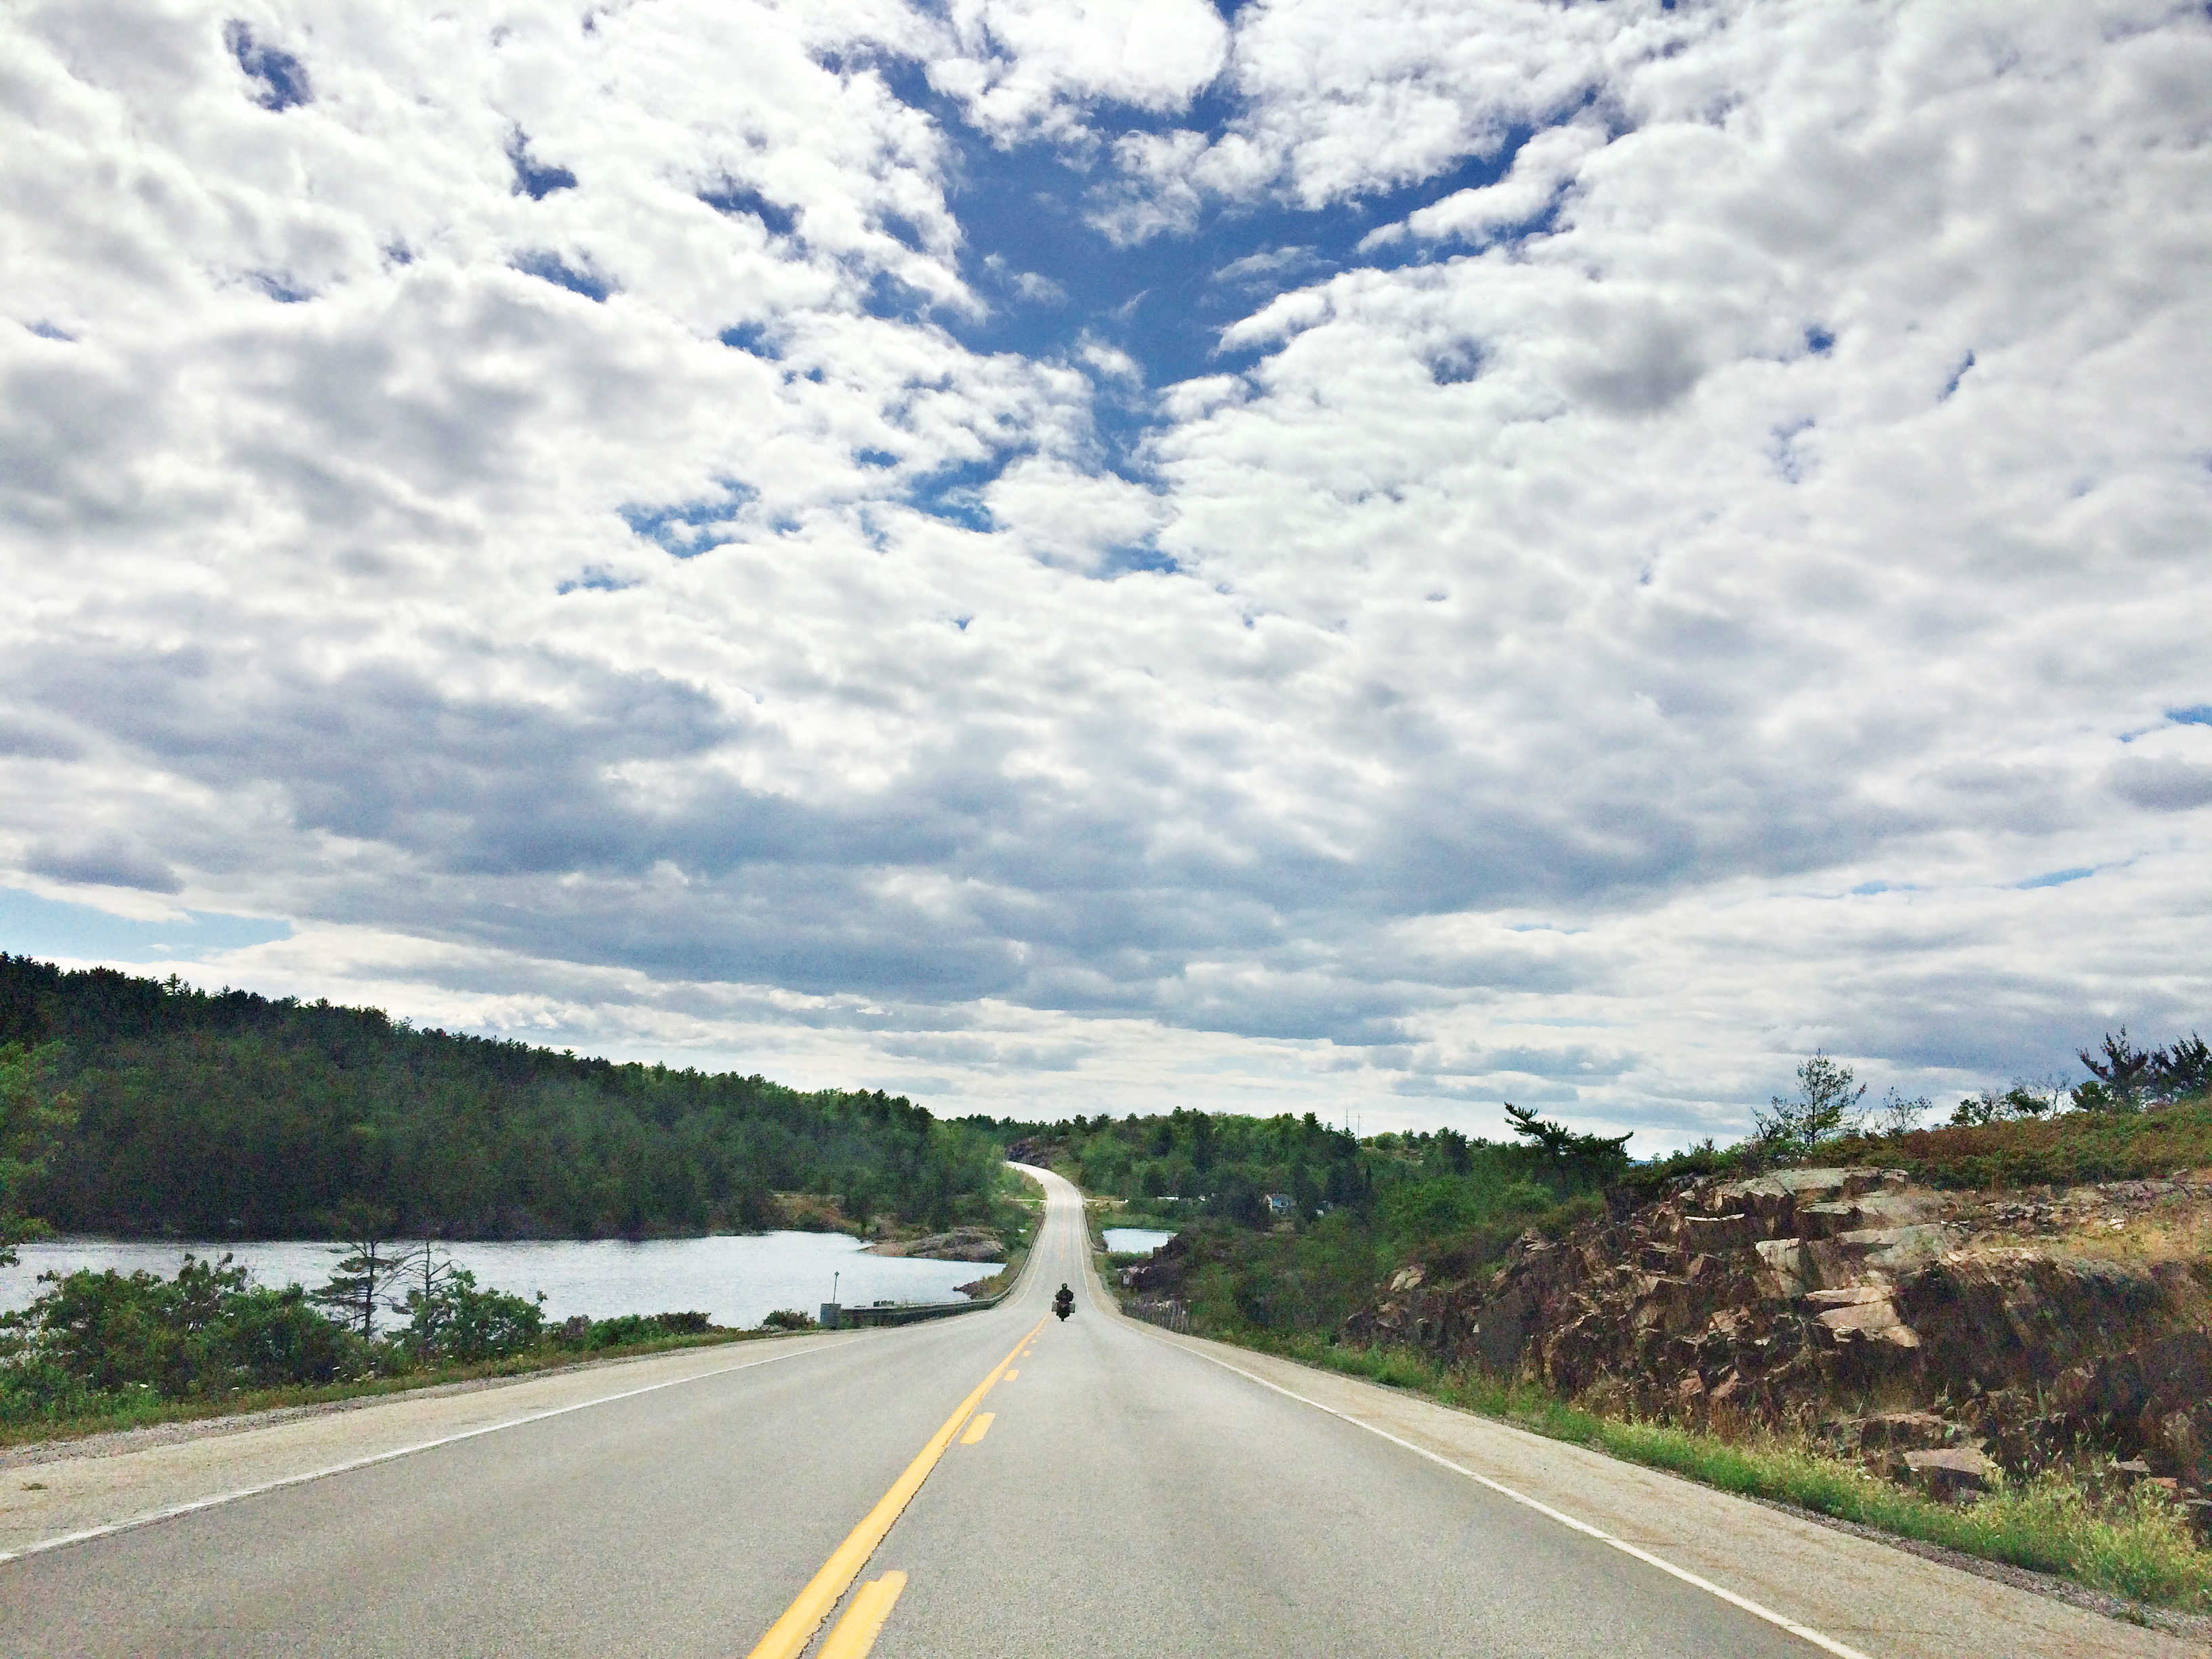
<point>787,1637</point>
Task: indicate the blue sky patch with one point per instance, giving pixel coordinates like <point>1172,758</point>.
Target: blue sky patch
<point>731,198</point>
<point>892,300</point>
<point>1137,561</point>
<point>595,580</point>
<point>2200,715</point>
<point>552,268</point>
<point>751,337</point>
<point>35,927</point>
<point>280,80</point>
<point>955,494</point>
<point>279,288</point>
<point>532,178</point>
<point>689,528</point>
<point>2055,877</point>
<point>1957,376</point>
<point>1055,282</point>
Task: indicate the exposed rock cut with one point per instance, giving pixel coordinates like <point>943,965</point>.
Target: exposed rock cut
<point>1918,1330</point>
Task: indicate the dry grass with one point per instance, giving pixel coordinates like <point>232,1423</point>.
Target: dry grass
<point>2179,1229</point>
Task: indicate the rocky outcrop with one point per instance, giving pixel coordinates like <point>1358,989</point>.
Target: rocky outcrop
<point>961,1245</point>
<point>1926,1333</point>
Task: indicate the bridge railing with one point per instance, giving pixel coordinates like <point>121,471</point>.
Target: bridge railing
<point>837,1317</point>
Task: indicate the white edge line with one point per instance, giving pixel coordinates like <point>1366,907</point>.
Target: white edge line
<point>1826,1643</point>
<point>175,1509</point>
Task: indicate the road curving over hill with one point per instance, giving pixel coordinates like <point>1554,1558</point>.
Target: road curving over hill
<point>1000,1483</point>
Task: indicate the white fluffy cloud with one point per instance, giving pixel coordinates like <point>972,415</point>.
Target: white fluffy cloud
<point>505,492</point>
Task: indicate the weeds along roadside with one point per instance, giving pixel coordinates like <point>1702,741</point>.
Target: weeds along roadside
<point>152,1411</point>
<point>2131,1544</point>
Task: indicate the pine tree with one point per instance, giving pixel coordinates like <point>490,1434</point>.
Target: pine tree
<point>1826,1108</point>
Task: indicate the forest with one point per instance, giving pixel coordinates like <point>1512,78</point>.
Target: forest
<point>133,1107</point>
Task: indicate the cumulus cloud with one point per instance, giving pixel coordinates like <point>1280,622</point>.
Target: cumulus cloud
<point>565,538</point>
<point>1542,166</point>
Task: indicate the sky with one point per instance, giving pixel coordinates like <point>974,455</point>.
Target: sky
<point>1376,557</point>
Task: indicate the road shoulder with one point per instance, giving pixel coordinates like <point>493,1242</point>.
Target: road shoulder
<point>100,1483</point>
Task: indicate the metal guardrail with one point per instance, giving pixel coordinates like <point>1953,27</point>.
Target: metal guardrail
<point>835,1316</point>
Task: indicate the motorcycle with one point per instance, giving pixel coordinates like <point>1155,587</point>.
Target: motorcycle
<point>1064,1303</point>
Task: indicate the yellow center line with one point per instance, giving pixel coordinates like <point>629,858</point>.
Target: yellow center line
<point>863,1622</point>
<point>1010,1376</point>
<point>791,1633</point>
<point>979,1427</point>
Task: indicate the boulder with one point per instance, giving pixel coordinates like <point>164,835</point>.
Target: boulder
<point>1862,1312</point>
<point>1951,1473</point>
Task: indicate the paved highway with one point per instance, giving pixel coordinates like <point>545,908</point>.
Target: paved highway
<point>999,1484</point>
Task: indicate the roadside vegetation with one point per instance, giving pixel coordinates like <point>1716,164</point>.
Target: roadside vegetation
<point>105,1350</point>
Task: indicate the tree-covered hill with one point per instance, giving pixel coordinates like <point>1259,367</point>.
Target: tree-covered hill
<point>135,1106</point>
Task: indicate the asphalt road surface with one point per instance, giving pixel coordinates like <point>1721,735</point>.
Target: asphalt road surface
<point>998,1484</point>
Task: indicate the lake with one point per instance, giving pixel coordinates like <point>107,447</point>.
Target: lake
<point>737,1280</point>
<point>1123,1239</point>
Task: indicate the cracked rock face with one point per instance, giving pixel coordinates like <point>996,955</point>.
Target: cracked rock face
<point>1888,1318</point>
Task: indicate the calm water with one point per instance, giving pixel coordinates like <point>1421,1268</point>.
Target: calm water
<point>1135,1238</point>
<point>738,1280</point>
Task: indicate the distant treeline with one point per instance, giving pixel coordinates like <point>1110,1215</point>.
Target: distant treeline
<point>1220,1166</point>
<point>1255,1172</point>
<point>135,1106</point>
<point>1295,1220</point>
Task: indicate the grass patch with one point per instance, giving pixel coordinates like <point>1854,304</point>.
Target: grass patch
<point>2131,1544</point>
<point>152,1410</point>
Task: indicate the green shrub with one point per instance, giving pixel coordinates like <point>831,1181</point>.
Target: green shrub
<point>98,1337</point>
<point>461,1324</point>
<point>624,1329</point>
